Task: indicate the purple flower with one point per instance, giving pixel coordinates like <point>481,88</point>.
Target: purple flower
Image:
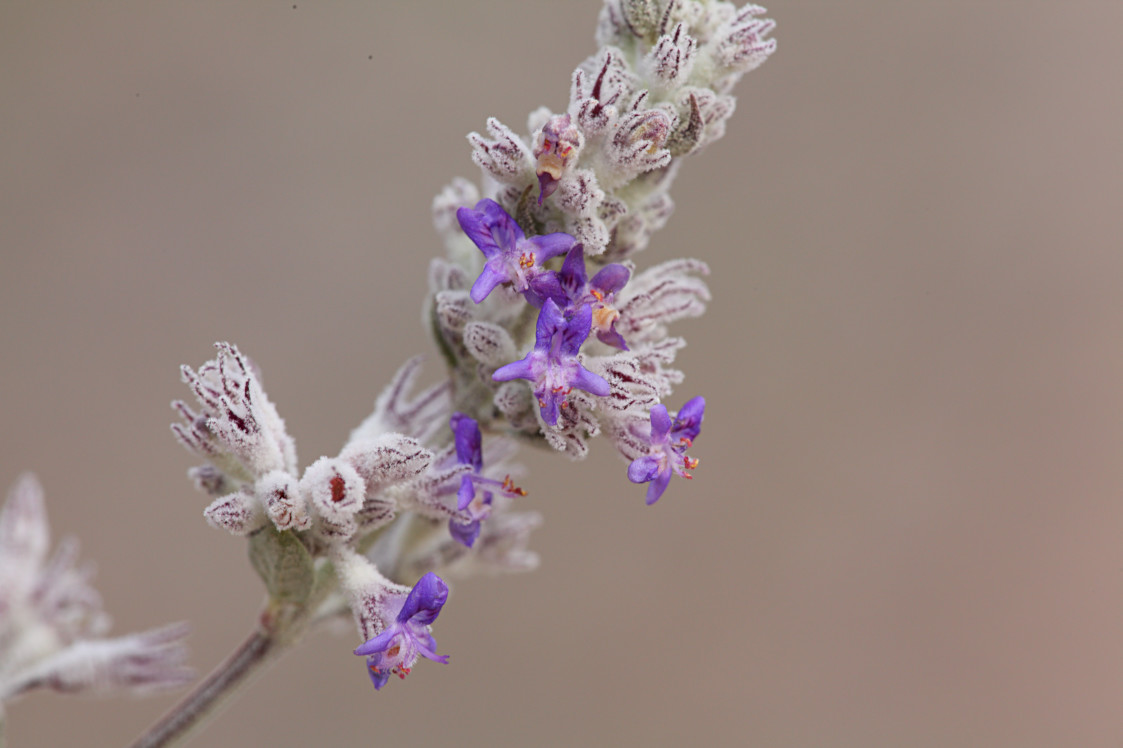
<point>396,649</point>
<point>599,293</point>
<point>552,365</point>
<point>473,498</point>
<point>511,257</point>
<point>669,442</point>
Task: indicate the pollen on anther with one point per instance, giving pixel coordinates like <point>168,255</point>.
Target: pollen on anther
<point>510,487</point>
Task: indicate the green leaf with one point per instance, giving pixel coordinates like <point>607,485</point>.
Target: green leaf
<point>283,563</point>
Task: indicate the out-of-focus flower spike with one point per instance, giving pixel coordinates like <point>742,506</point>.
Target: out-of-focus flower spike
<point>24,537</point>
<point>64,597</point>
<point>144,662</point>
<point>52,621</point>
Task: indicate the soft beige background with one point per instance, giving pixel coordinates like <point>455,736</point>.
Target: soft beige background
<point>905,529</point>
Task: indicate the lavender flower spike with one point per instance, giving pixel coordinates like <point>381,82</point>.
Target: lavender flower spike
<point>511,257</point>
<point>552,365</point>
<point>396,649</point>
<point>669,442</point>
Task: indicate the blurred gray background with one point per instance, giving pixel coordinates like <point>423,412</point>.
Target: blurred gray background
<point>905,527</point>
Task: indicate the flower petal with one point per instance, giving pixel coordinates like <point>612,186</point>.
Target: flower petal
<point>660,424</point>
<point>425,601</point>
<point>688,421</point>
<point>643,469</point>
<point>379,643</point>
<point>576,330</point>
<point>466,433</point>
<point>658,486</point>
<point>523,369</point>
<point>464,533</point>
<point>586,380</point>
<point>551,245</point>
<point>610,278</point>
<point>486,283</point>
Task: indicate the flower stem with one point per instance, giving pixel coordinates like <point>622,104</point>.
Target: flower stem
<point>259,649</point>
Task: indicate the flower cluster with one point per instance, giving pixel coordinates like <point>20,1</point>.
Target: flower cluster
<point>413,488</point>
<point>52,626</point>
<point>550,332</point>
<point>539,260</point>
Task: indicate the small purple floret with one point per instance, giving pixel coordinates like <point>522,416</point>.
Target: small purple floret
<point>396,649</point>
<point>510,256</point>
<point>668,442</point>
<point>476,492</point>
<point>552,365</point>
<point>599,293</point>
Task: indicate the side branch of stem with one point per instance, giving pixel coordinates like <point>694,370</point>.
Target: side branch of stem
<point>213,692</point>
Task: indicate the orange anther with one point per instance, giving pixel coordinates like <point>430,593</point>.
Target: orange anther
<point>510,487</point>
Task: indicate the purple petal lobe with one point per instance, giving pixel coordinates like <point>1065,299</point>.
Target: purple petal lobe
<point>577,330</point>
<point>425,600</point>
<point>658,486</point>
<point>379,643</point>
<point>612,338</point>
<point>660,423</point>
<point>643,469</point>
<point>550,320</point>
<point>610,278</point>
<point>466,493</point>
<point>504,228</point>
<point>552,245</point>
<point>475,226</point>
<point>515,370</point>
<point>379,677</point>
<point>590,382</point>
<point>485,284</point>
<point>572,274</point>
<point>465,534</point>
<point>466,433</point>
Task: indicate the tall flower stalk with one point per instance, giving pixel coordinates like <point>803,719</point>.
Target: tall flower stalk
<point>553,334</point>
